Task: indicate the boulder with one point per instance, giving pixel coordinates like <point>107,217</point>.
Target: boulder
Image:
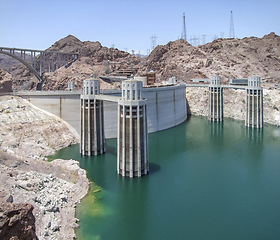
<point>17,221</point>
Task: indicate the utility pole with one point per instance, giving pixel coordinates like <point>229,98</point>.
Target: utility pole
<point>184,32</point>
<point>231,30</point>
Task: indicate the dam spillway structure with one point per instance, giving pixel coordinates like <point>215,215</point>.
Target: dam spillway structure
<point>215,101</point>
<point>132,159</point>
<point>92,120</point>
<point>254,103</point>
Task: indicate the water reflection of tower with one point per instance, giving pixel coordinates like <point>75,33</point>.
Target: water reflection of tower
<point>216,129</point>
<point>135,197</point>
<point>255,146</point>
<point>254,135</point>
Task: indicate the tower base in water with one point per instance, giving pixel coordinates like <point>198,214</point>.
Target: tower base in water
<point>132,131</point>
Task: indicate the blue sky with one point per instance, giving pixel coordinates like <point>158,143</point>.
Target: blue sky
<point>130,24</point>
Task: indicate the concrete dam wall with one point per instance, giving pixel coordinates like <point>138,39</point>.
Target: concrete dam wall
<point>166,107</point>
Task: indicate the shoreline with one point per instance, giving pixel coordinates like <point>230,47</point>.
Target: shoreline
<point>29,134</point>
<point>54,188</point>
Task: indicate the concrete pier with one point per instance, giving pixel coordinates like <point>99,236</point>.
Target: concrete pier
<point>215,103</point>
<point>132,131</point>
<point>92,120</point>
<point>254,103</point>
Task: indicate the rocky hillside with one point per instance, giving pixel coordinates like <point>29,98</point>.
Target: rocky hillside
<point>7,62</point>
<point>5,81</point>
<point>229,58</point>
<point>93,59</point>
<point>27,135</point>
<point>26,130</point>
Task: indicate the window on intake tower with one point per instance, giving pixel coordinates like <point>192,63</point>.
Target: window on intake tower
<point>128,94</point>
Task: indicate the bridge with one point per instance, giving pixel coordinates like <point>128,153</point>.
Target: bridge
<point>222,86</point>
<point>39,62</point>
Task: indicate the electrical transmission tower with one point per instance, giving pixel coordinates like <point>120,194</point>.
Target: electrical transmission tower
<point>191,40</point>
<point>153,38</point>
<point>184,32</point>
<point>203,39</point>
<point>231,30</point>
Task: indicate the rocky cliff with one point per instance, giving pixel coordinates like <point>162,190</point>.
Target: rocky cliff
<point>93,59</point>
<point>26,130</point>
<point>5,82</point>
<point>229,58</point>
<point>27,135</point>
<point>17,221</point>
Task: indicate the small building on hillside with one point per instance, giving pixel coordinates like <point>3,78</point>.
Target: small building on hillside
<point>151,78</point>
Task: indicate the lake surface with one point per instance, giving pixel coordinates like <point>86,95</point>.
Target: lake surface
<point>207,181</point>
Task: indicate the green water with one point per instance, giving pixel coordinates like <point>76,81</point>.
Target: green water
<point>206,181</point>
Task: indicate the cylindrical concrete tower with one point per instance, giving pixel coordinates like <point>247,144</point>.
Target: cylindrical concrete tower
<point>92,120</point>
<point>132,131</point>
<point>254,103</point>
<point>215,101</point>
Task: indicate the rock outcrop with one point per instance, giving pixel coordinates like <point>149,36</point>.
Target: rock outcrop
<point>17,222</point>
<point>27,135</point>
<point>93,59</point>
<point>53,188</point>
<point>26,130</point>
<point>229,58</point>
<point>5,82</point>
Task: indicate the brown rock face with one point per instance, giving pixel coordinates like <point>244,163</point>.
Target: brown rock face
<point>93,59</point>
<point>229,58</point>
<point>5,82</point>
<point>17,222</point>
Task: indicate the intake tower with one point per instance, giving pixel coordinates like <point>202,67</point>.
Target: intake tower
<point>132,131</point>
<point>215,102</point>
<point>92,120</point>
<point>254,103</point>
